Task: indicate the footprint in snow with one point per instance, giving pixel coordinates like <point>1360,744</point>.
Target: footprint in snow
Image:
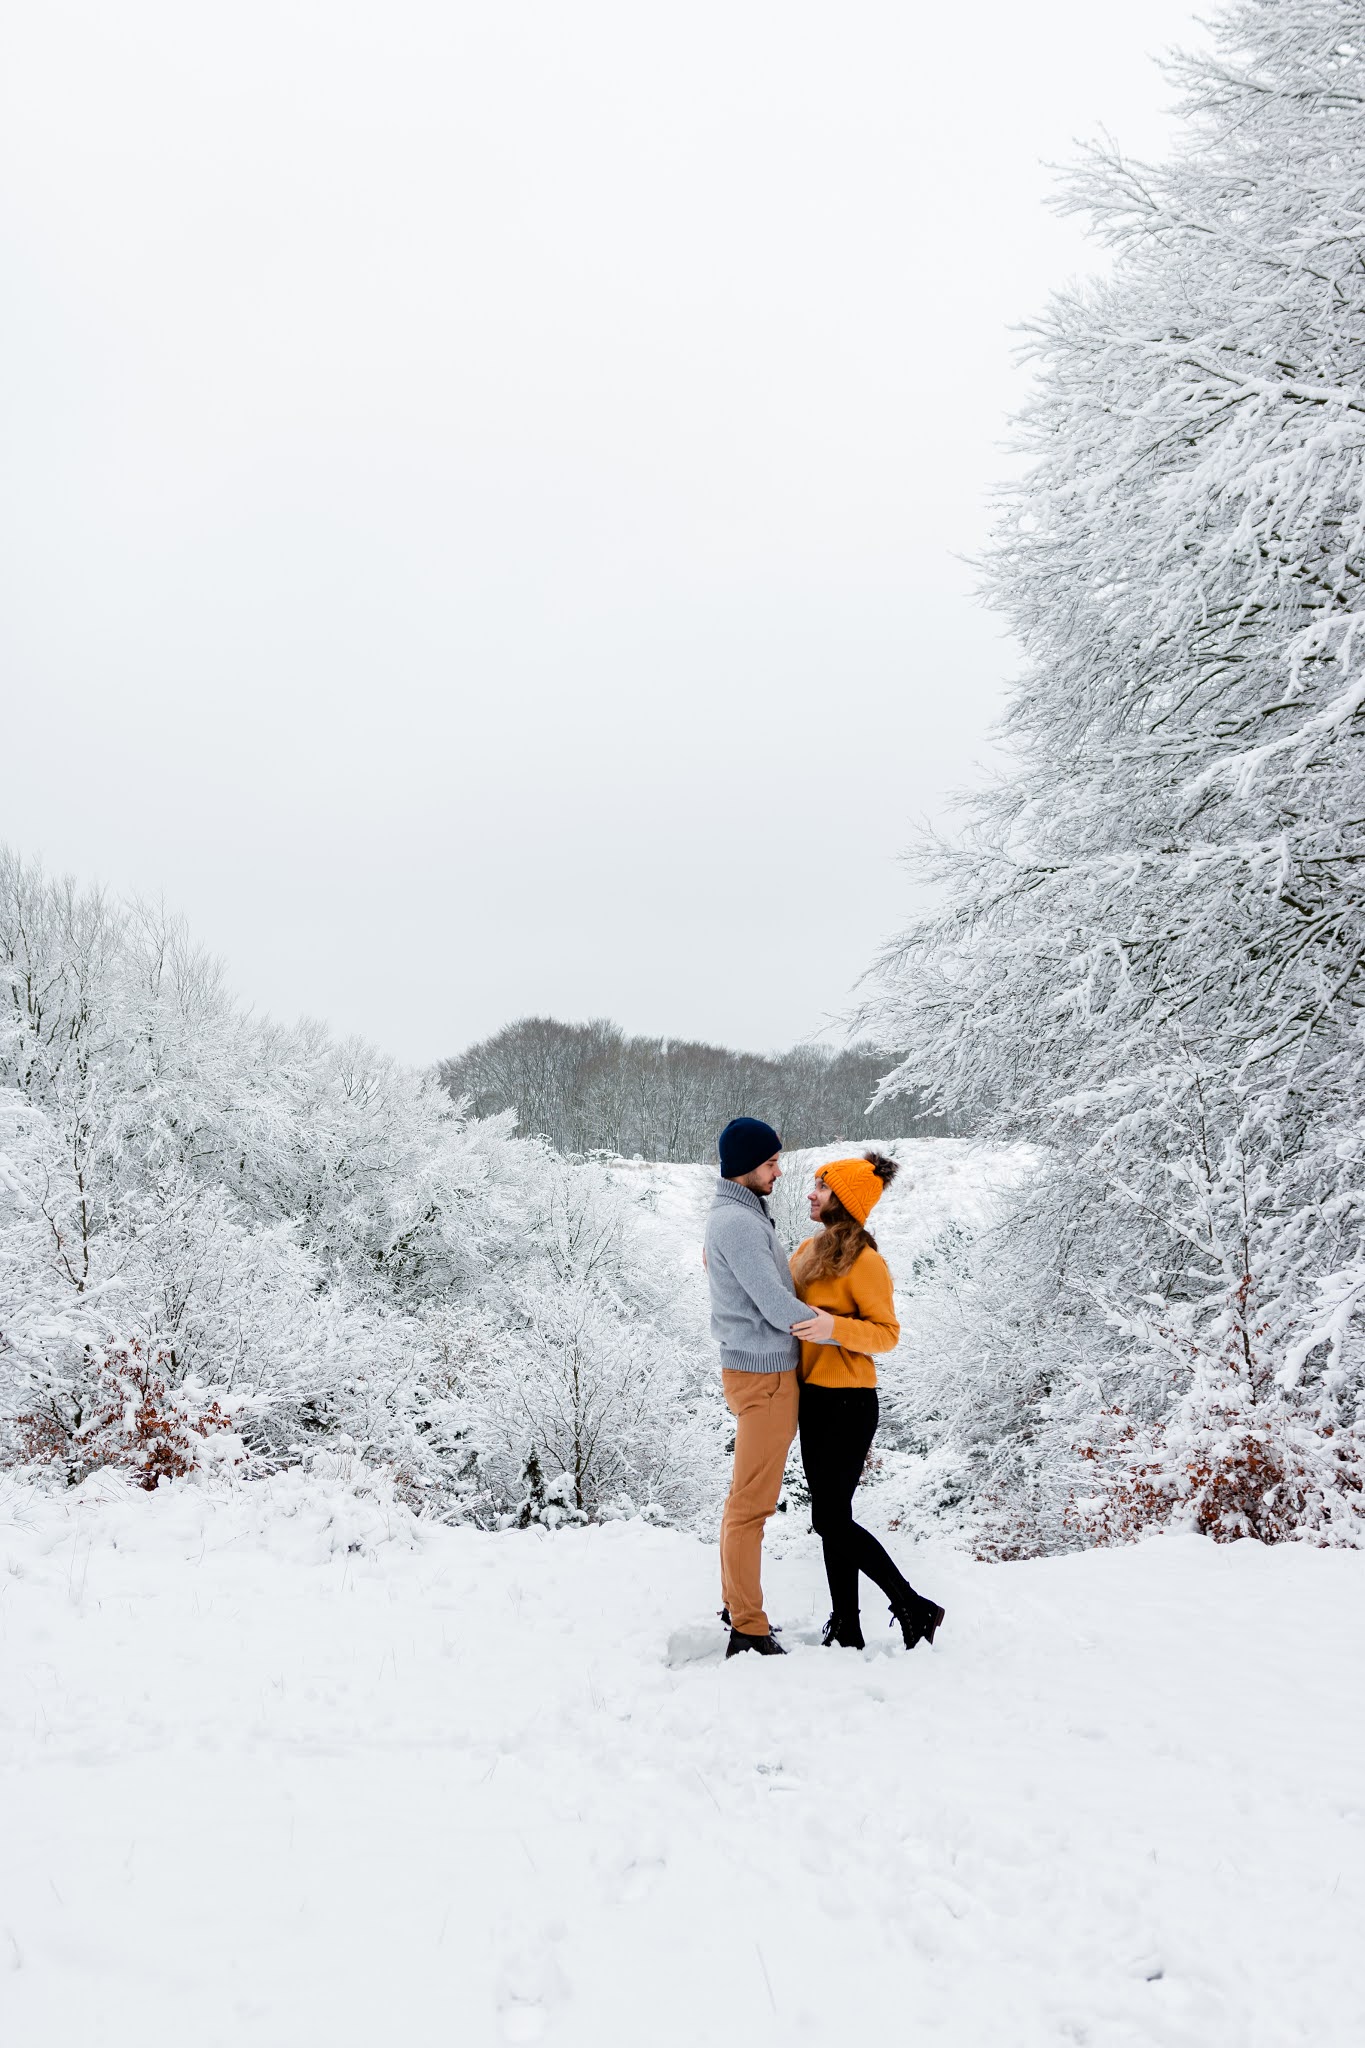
<point>696,1642</point>
<point>530,1982</point>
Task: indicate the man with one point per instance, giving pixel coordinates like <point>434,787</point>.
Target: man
<point>756,1318</point>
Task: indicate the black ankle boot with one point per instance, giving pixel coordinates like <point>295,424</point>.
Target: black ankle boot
<point>919,1619</point>
<point>843,1633</point>
<point>766,1646</point>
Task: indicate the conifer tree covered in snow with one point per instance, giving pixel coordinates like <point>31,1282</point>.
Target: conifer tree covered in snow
<point>1149,950</point>
<point>224,1240</point>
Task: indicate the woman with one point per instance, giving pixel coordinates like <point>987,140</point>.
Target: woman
<point>845,1279</point>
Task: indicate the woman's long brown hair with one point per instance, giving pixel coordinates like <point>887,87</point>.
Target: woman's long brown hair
<point>834,1250</point>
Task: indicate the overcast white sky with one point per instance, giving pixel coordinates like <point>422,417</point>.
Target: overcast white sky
<point>483,481</point>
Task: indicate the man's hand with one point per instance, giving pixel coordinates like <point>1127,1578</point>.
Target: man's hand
<point>817,1329</point>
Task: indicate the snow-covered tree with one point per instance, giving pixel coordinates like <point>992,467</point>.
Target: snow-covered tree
<point>1149,947</point>
<point>305,1233</point>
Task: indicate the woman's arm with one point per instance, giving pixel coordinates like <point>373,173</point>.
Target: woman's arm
<point>874,1328</point>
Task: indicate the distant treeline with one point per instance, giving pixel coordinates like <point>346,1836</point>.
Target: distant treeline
<point>589,1087</point>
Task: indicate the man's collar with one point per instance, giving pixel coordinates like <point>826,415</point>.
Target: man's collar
<point>733,1192</point>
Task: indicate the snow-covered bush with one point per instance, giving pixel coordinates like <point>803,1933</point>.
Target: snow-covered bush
<point>305,1232</point>
<point>127,1415</point>
<point>1150,952</point>
<point>545,1506</point>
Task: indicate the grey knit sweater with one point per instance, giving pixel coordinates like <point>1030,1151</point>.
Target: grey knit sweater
<point>752,1303</point>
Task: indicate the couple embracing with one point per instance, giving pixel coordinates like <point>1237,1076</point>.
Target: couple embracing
<point>797,1341</point>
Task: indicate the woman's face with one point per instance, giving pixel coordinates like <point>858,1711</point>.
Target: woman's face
<point>820,1199</point>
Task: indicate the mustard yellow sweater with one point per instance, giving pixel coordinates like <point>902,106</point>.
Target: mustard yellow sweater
<point>864,1310</point>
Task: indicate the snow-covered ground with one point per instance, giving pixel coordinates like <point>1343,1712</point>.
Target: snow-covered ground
<point>286,1768</point>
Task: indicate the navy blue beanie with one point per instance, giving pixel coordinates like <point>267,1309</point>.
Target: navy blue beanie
<point>744,1144</point>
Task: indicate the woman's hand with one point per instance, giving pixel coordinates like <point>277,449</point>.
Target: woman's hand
<point>817,1328</point>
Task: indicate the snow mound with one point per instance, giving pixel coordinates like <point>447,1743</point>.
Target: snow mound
<point>303,1515</point>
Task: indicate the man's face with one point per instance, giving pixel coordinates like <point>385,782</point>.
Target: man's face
<point>764,1178</point>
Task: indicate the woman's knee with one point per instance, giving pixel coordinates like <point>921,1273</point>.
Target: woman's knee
<point>831,1517</point>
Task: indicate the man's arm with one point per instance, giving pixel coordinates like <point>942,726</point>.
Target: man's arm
<point>750,1261</point>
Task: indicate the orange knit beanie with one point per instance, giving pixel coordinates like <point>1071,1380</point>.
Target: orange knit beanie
<point>856,1184</point>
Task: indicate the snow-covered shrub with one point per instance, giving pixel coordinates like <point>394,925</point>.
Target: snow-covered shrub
<point>542,1505</point>
<point>127,1415</point>
<point>1150,952</point>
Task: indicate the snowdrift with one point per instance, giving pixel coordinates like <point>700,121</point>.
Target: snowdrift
<point>295,1767</point>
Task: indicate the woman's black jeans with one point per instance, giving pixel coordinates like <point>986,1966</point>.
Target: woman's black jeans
<point>837,1427</point>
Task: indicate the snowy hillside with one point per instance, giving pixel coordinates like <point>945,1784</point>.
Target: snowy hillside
<point>285,1765</point>
<point>943,1183</point>
<point>292,1769</point>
